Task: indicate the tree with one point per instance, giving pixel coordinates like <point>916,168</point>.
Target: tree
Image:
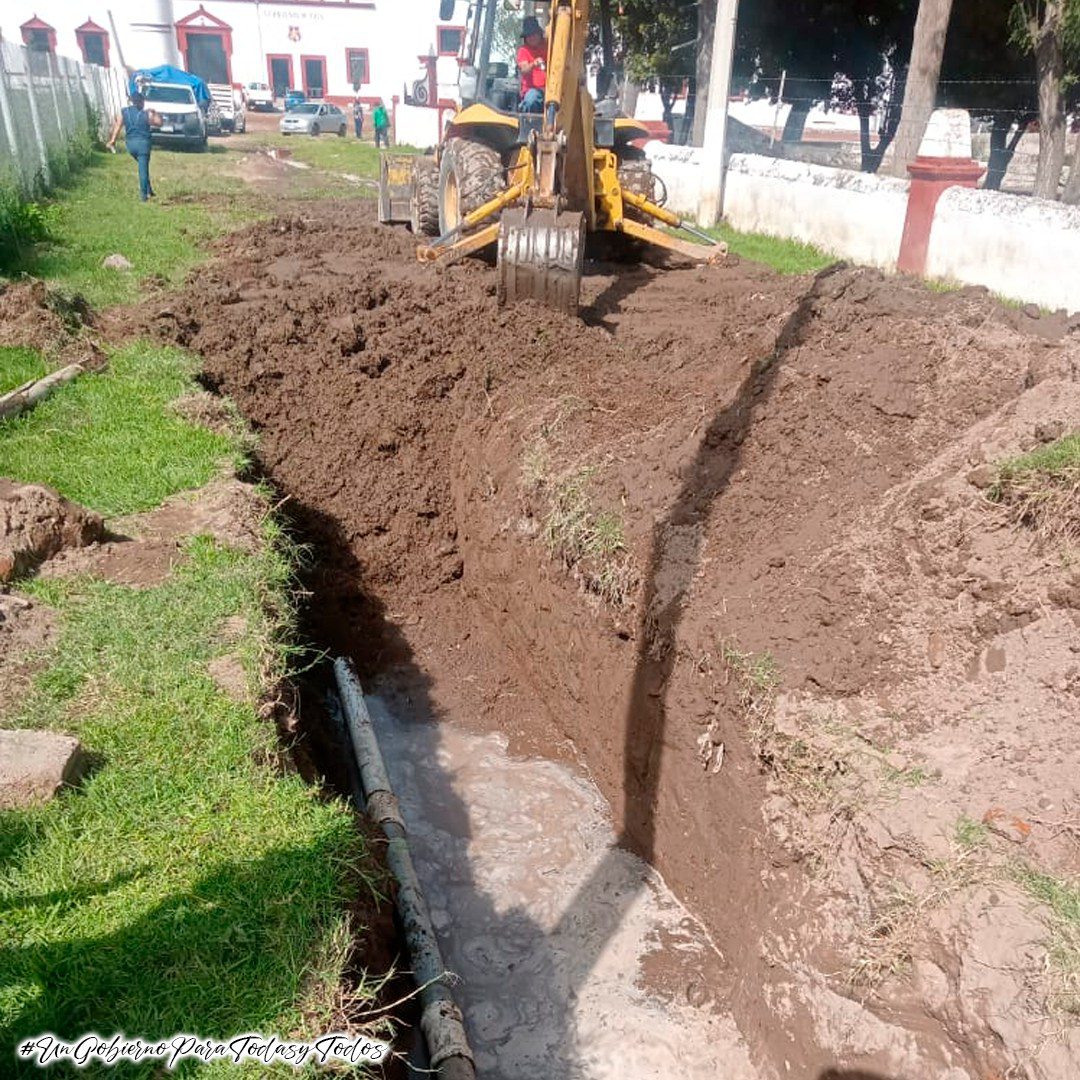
<point>1039,27</point>
<point>817,41</point>
<point>984,72</point>
<point>706,24</point>
<point>656,41</point>
<point>921,86</point>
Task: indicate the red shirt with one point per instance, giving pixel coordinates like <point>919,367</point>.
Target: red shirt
<point>537,78</point>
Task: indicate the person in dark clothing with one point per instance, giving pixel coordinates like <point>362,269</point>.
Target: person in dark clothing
<point>358,118</point>
<point>137,123</point>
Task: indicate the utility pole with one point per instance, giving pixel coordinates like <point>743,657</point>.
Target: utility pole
<point>713,164</point>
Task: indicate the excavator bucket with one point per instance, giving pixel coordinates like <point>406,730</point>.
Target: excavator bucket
<point>395,187</point>
<point>541,253</point>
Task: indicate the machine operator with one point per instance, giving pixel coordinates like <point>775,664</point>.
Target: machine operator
<point>532,65</point>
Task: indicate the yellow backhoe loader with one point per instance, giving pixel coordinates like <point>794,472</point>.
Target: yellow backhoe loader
<point>536,185</point>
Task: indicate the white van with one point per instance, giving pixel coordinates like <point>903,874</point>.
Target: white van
<point>259,96</point>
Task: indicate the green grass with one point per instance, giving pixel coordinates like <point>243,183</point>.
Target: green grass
<point>100,214</point>
<point>18,365</point>
<point>785,256</point>
<point>1042,490</point>
<point>329,152</point>
<point>970,834</point>
<point>110,440</point>
<point>184,886</point>
<point>190,883</point>
<point>1063,944</point>
<point>585,539</point>
<point>1055,461</point>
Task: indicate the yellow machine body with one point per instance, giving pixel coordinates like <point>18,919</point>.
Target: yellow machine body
<point>537,186</point>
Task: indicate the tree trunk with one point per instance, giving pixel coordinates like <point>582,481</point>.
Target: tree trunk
<point>705,27</point>
<point>920,93</point>
<point>1071,194</point>
<point>605,79</point>
<point>1049,72</point>
<point>795,123</point>
<point>1002,148</point>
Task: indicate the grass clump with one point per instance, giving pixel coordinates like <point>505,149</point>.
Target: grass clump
<point>784,256</point>
<point>1042,489</point>
<point>970,834</point>
<point>110,441</point>
<point>18,366</point>
<point>184,886</point>
<point>1063,945</point>
<point>757,679</point>
<point>588,541</point>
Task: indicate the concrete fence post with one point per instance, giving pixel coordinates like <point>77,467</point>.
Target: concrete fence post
<point>8,118</point>
<point>51,79</point>
<point>35,119</point>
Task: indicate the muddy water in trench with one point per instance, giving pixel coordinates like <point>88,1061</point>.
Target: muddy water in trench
<point>504,847</point>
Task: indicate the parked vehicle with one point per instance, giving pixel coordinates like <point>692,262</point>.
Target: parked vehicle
<point>313,118</point>
<point>259,96</point>
<point>230,106</point>
<point>294,98</point>
<point>182,120</point>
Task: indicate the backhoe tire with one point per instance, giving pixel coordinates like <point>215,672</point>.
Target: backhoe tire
<point>470,174</point>
<point>424,205</point>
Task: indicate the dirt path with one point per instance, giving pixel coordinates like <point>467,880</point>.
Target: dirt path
<point>716,544</point>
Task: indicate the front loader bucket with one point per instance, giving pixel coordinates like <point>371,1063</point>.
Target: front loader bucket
<point>541,254</point>
<point>395,187</point>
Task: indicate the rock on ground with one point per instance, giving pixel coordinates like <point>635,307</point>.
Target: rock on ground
<point>35,765</point>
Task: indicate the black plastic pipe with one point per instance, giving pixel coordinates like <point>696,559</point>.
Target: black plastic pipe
<point>441,1020</point>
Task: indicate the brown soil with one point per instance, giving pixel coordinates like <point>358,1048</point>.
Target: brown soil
<point>36,317</point>
<point>36,523</point>
<point>26,631</point>
<point>141,550</point>
<point>789,458</point>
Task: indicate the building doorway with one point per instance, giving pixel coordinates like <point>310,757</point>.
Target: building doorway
<point>280,72</point>
<point>206,45</point>
<point>206,58</point>
<point>313,69</point>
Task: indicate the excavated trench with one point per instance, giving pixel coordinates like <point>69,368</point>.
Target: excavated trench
<point>559,710</point>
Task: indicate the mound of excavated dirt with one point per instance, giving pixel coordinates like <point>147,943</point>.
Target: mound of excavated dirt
<point>814,602</point>
<point>36,523</point>
<point>36,317</point>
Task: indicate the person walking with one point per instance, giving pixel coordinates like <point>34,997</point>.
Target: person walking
<point>381,119</point>
<point>358,118</point>
<point>137,123</point>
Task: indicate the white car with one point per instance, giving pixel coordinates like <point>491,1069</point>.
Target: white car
<point>182,120</point>
<point>259,96</point>
<point>313,118</point>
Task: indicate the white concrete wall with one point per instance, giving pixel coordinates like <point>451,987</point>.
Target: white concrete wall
<point>852,215</point>
<point>414,126</point>
<point>855,215</point>
<point>1023,248</point>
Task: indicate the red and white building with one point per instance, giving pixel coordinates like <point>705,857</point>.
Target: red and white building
<point>326,48</point>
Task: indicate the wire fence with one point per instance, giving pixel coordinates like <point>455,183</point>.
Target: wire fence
<point>49,106</point>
